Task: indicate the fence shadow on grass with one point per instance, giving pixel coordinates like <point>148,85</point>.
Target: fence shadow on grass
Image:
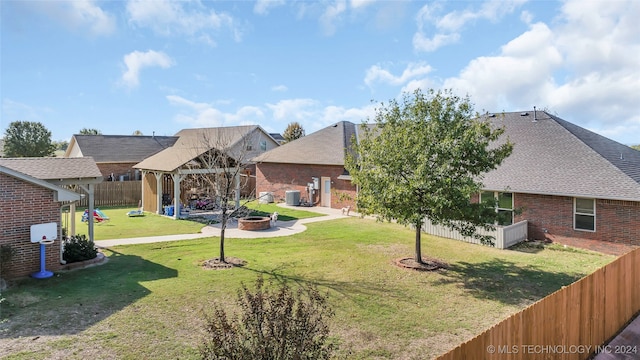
<point>73,301</point>
<point>505,281</point>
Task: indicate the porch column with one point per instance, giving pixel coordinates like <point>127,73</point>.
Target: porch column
<point>158,192</point>
<point>144,178</point>
<point>72,223</point>
<point>89,188</point>
<point>177,179</point>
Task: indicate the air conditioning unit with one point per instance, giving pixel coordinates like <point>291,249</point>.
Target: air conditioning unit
<point>292,197</point>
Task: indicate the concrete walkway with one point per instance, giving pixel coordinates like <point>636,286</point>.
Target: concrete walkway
<point>626,345</point>
<point>282,228</point>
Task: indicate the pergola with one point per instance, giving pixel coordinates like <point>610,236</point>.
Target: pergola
<point>236,141</point>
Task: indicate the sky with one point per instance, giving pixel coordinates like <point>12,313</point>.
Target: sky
<point>161,66</point>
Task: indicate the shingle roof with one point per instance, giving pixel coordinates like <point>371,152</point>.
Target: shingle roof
<point>554,157</point>
<point>122,148</point>
<point>323,147</point>
<point>48,168</point>
<point>193,142</point>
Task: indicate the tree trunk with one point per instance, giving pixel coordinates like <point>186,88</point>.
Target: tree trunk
<point>223,226</point>
<point>418,255</point>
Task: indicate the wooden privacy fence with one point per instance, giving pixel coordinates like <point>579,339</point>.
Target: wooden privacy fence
<point>572,323</point>
<point>504,236</point>
<point>114,193</point>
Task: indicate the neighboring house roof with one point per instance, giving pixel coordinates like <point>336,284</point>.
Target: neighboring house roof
<point>48,168</point>
<point>327,146</point>
<point>118,148</point>
<point>554,157</point>
<point>47,172</point>
<point>278,137</point>
<point>192,143</point>
<point>60,194</point>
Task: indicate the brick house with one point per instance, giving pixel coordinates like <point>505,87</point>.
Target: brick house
<point>31,193</point>
<point>116,155</point>
<point>320,155</point>
<point>566,181</point>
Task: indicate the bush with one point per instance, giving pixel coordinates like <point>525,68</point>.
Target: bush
<point>78,248</point>
<point>276,325</point>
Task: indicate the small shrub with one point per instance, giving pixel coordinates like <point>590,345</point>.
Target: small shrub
<point>78,248</point>
<point>277,325</point>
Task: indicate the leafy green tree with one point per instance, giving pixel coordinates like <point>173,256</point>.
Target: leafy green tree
<point>637,147</point>
<point>61,145</point>
<point>86,131</point>
<point>137,133</point>
<point>293,131</point>
<point>27,139</point>
<point>424,158</point>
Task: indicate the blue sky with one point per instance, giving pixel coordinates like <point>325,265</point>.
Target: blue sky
<point>161,66</point>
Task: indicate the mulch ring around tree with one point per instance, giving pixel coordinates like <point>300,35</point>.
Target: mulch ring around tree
<point>428,264</point>
<point>229,263</point>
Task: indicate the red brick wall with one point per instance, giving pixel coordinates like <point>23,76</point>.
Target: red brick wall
<point>23,204</point>
<point>552,216</point>
<point>278,178</point>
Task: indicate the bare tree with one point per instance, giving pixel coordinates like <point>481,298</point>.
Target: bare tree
<point>223,156</point>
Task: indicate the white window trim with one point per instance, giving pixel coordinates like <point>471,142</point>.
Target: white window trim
<point>575,212</point>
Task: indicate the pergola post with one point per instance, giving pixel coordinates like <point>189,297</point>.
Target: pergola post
<point>177,179</point>
<point>89,188</point>
<point>144,178</point>
<point>72,215</point>
<point>158,192</point>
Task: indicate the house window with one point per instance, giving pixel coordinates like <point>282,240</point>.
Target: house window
<point>249,147</point>
<point>263,145</point>
<point>504,205</point>
<point>584,214</point>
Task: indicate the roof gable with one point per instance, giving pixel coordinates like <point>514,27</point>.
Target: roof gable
<point>327,146</point>
<point>118,148</point>
<point>192,143</point>
<point>554,157</point>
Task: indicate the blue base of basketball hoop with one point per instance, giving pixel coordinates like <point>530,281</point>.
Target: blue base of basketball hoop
<point>43,273</point>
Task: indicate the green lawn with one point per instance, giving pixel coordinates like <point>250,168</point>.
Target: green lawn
<point>121,226</point>
<point>147,301</point>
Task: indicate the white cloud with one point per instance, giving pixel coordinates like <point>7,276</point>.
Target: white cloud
<point>279,88</point>
<point>294,109</point>
<point>448,27</point>
<point>79,14</point>
<point>206,115</point>
<point>413,70</point>
<point>169,18</point>
<point>313,116</point>
<point>522,73</point>
<point>581,67</point>
<point>359,4</point>
<point>262,7</point>
<point>332,15</point>
<point>17,111</point>
<point>137,60</point>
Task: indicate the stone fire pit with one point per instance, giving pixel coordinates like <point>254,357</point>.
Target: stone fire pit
<point>252,223</point>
